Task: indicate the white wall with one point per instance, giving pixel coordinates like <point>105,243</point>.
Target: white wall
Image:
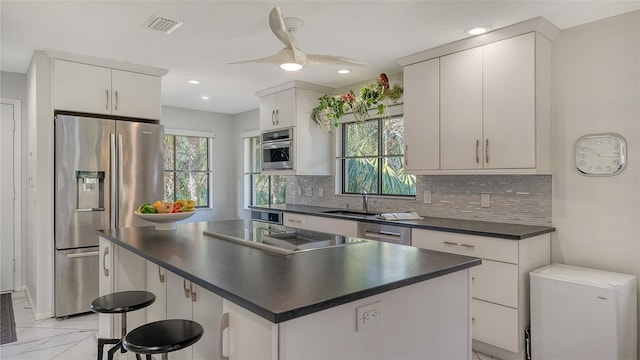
<point>14,86</point>
<point>596,88</point>
<point>224,161</point>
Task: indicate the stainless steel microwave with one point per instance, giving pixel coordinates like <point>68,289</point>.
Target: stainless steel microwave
<point>277,149</point>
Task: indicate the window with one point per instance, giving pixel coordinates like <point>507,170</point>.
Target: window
<point>264,189</point>
<point>374,158</point>
<point>187,172</point>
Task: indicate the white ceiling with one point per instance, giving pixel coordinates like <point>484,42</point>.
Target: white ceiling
<point>215,33</point>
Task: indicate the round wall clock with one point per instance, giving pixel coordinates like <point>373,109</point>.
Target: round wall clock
<point>601,154</point>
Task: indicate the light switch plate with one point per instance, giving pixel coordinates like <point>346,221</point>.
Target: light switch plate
<point>308,191</point>
<point>485,200</point>
<point>427,197</point>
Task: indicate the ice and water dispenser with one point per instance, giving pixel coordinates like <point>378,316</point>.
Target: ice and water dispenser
<point>90,190</point>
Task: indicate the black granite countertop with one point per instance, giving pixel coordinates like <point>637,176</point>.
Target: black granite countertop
<point>471,227</point>
<point>277,287</point>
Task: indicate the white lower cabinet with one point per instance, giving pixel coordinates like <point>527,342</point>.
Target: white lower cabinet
<point>207,311</point>
<point>247,336</point>
<point>436,327</point>
<point>186,300</point>
<point>495,324</point>
<point>105,285</point>
<point>157,284</point>
<point>500,286</point>
<point>321,224</point>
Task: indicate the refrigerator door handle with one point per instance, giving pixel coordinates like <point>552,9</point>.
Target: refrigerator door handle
<point>89,209</point>
<point>84,254</point>
<point>120,178</point>
<point>113,182</point>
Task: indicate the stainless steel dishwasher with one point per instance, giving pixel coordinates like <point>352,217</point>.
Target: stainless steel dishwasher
<point>383,232</point>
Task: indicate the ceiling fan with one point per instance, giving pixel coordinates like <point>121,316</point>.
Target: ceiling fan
<point>291,58</point>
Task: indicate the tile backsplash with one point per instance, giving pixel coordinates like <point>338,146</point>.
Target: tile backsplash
<point>515,199</point>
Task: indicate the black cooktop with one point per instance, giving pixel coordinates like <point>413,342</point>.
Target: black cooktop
<point>280,239</point>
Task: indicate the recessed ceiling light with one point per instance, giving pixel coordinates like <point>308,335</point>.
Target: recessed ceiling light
<point>477,30</point>
<point>344,71</point>
<point>204,97</point>
<point>194,82</point>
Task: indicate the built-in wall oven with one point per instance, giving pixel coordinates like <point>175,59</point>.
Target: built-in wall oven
<point>277,149</point>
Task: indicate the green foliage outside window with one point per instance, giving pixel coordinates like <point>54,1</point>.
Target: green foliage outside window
<point>374,158</point>
<point>186,163</point>
<point>265,189</point>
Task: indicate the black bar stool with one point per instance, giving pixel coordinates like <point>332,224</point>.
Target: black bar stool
<point>122,303</point>
<point>162,337</point>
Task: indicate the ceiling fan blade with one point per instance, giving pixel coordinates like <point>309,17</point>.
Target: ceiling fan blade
<point>331,60</point>
<point>279,29</point>
<point>273,59</point>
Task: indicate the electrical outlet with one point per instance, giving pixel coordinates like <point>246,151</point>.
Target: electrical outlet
<point>368,316</point>
<point>485,200</point>
<point>299,191</point>
<point>320,192</point>
<point>308,191</point>
<point>427,197</point>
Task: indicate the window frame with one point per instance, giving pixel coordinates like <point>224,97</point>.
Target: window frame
<point>210,136</point>
<point>249,173</point>
<point>341,183</point>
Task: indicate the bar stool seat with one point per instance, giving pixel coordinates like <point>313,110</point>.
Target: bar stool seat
<point>162,337</point>
<point>119,303</point>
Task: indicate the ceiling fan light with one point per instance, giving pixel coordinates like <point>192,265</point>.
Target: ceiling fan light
<point>291,66</point>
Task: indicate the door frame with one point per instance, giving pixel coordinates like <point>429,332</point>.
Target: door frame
<point>17,186</point>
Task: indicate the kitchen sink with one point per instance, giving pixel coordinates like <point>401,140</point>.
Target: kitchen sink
<point>349,213</point>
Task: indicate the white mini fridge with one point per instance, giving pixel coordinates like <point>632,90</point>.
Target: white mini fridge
<point>580,313</point>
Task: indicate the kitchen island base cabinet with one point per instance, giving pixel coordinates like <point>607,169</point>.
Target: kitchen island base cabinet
<point>120,270</point>
<point>438,326</point>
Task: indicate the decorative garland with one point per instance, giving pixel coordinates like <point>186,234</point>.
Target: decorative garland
<point>332,107</point>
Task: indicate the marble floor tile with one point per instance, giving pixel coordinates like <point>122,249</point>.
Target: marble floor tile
<point>48,339</point>
<point>43,343</point>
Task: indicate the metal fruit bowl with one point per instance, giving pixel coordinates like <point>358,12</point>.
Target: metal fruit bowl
<point>165,221</point>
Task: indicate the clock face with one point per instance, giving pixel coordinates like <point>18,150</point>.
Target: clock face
<point>600,154</point>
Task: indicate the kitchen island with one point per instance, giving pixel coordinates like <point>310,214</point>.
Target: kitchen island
<point>366,299</point>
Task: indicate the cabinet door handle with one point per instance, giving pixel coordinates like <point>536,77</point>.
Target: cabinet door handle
<point>107,104</point>
<point>104,261</point>
<point>193,291</point>
<point>406,155</point>
<point>187,289</point>
<point>160,275</point>
<point>459,244</point>
<point>486,151</point>
<point>116,107</point>
<point>273,117</point>
<point>224,325</point>
<point>477,151</point>
<point>277,117</point>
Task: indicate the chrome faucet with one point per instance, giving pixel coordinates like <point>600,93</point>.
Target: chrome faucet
<point>365,202</point>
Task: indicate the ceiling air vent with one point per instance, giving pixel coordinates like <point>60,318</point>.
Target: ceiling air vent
<point>163,24</point>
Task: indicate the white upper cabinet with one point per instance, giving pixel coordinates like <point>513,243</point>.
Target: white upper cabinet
<point>278,110</point>
<point>487,104</point>
<point>101,90</point>
<point>290,105</point>
<point>461,110</point>
<point>136,95</point>
<point>81,87</point>
<point>493,105</point>
<point>508,112</point>
<point>422,116</point>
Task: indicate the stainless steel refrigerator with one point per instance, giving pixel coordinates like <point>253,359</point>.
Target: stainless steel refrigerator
<point>104,170</point>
